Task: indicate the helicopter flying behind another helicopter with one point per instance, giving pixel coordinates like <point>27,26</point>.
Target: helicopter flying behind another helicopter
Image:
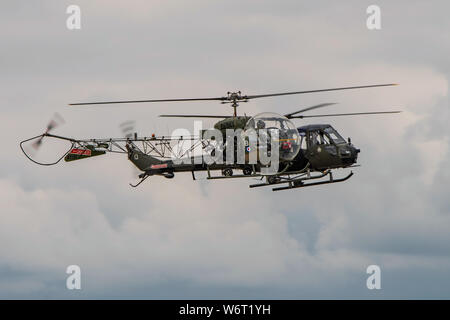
<point>305,155</point>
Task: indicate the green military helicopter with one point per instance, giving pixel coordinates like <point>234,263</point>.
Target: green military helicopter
<point>305,155</point>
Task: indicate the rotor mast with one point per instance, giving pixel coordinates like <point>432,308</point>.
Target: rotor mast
<point>234,98</point>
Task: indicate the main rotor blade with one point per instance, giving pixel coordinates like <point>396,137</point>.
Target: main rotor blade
<point>153,100</point>
<point>320,90</point>
<point>343,114</point>
<point>231,97</point>
<point>289,115</point>
<point>191,116</point>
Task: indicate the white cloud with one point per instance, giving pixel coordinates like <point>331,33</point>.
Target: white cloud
<point>221,234</point>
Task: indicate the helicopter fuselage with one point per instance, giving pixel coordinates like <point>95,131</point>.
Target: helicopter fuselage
<point>322,148</point>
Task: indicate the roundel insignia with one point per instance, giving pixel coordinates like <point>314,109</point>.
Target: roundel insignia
<point>319,149</point>
<point>247,149</point>
<point>136,157</point>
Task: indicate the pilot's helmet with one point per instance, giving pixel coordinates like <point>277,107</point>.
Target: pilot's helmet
<point>260,124</point>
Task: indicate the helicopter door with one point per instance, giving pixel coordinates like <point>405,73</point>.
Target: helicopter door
<point>322,152</point>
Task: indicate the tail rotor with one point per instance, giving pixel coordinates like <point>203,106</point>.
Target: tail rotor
<point>55,122</point>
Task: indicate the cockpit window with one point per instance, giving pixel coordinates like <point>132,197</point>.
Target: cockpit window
<point>324,139</point>
<point>318,138</point>
<point>334,135</point>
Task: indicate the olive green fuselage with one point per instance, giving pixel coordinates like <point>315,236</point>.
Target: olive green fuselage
<point>321,148</point>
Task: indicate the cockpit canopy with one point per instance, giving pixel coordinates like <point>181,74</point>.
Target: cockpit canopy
<point>277,128</point>
<point>323,134</point>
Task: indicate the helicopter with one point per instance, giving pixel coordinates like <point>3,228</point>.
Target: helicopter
<point>304,156</point>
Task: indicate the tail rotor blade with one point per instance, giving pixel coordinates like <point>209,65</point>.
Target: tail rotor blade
<point>37,143</point>
<point>56,121</point>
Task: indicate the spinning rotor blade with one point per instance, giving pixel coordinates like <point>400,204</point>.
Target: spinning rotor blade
<point>56,121</point>
<point>343,114</point>
<point>37,143</point>
<point>128,128</point>
<point>153,100</point>
<point>232,96</point>
<point>289,115</point>
<point>191,116</point>
<point>320,90</point>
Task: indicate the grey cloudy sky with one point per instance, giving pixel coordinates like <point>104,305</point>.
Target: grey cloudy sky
<point>199,239</point>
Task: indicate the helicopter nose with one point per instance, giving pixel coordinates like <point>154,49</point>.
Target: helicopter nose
<point>355,152</point>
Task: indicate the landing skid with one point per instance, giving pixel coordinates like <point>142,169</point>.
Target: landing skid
<point>143,177</point>
<point>301,182</point>
<point>283,179</point>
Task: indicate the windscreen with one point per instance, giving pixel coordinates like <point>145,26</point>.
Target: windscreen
<point>334,135</point>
